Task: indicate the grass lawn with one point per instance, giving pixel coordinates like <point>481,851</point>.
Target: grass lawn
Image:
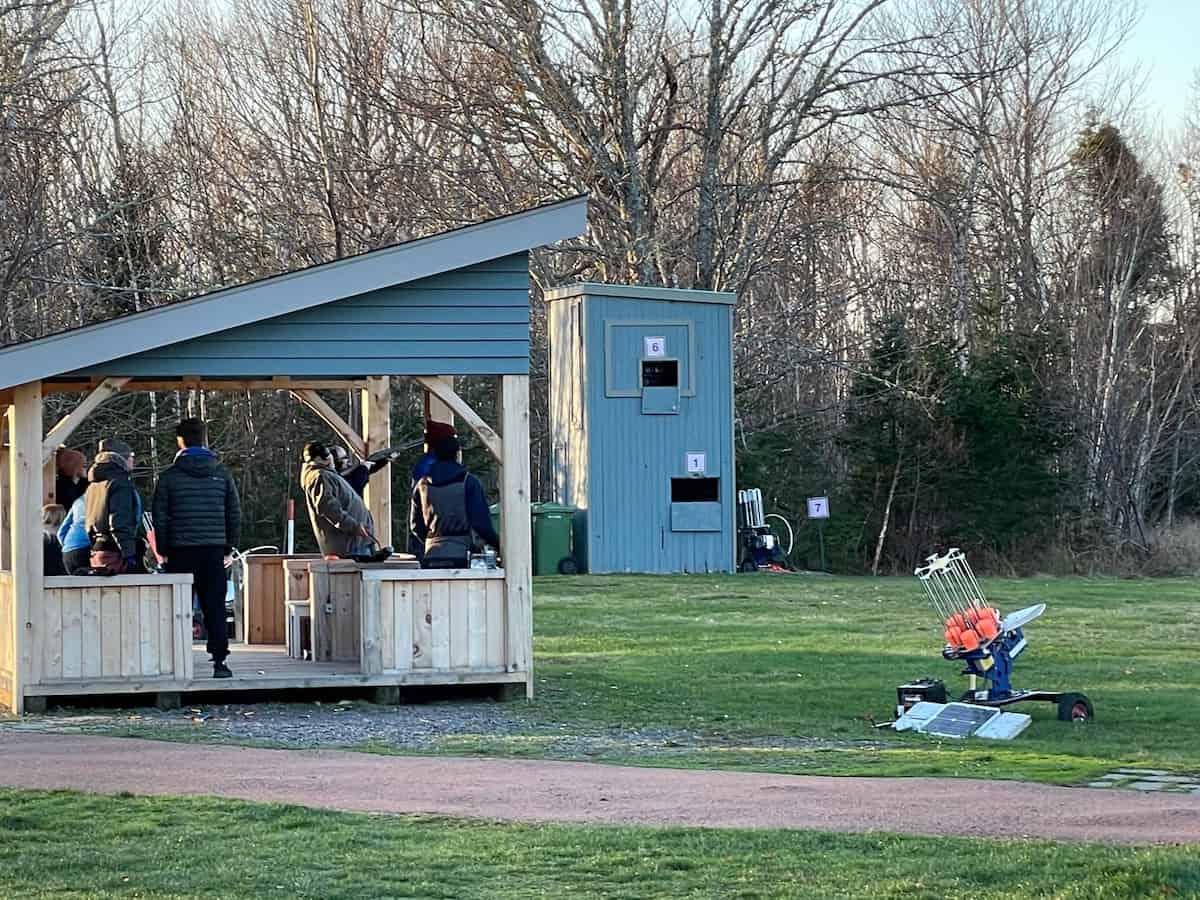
<point>62,845</point>
<point>755,657</point>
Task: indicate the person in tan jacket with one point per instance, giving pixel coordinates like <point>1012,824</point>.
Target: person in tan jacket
<point>340,520</point>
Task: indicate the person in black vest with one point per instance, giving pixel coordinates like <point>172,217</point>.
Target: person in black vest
<point>197,521</point>
<point>448,506</point>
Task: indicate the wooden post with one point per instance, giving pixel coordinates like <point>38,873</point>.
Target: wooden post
<point>5,498</point>
<point>24,475</point>
<point>516,542</point>
<point>377,434</point>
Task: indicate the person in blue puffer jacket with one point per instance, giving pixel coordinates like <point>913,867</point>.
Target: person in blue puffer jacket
<point>76,545</point>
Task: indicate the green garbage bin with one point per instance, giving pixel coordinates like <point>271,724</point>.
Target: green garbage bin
<point>552,547</point>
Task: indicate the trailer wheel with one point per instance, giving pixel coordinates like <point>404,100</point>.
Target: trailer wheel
<point>1075,708</point>
<point>748,565</point>
<point>568,566</point>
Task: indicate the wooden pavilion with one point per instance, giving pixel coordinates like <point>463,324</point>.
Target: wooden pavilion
<point>454,304</point>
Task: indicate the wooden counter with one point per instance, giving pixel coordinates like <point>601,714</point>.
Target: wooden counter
<point>335,602</point>
<point>435,620</point>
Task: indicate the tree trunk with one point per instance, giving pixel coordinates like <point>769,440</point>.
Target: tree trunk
<point>887,512</point>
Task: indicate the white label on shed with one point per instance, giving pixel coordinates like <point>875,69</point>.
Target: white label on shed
<point>696,464</point>
<point>656,347</point>
<point>818,507</point>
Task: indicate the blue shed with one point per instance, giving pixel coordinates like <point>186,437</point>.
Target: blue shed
<point>641,420</point>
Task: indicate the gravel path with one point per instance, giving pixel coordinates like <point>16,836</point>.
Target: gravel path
<point>410,728</point>
<point>521,790</point>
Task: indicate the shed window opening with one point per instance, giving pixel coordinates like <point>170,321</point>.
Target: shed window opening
<point>660,373</point>
<point>695,490</point>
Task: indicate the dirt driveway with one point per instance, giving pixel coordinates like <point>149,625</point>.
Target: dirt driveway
<point>540,791</point>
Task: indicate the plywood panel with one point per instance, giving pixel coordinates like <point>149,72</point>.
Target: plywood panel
<point>439,626</point>
<point>346,626</point>
<point>265,592</point>
<point>182,632</point>
<point>387,624</point>
<point>148,630</point>
<point>476,623</point>
<point>166,630</point>
<point>6,626</point>
<point>72,634</point>
<point>51,643</point>
<point>460,626</point>
<point>131,631</point>
<point>371,648</point>
<point>110,632</point>
<point>497,624</point>
<point>422,617</point>
<point>91,664</point>
<point>403,615</point>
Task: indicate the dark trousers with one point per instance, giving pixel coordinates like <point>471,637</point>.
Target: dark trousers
<point>445,562</point>
<point>77,562</point>
<point>206,565</point>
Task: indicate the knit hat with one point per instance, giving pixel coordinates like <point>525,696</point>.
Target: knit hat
<point>115,445</point>
<point>436,431</point>
<point>69,462</point>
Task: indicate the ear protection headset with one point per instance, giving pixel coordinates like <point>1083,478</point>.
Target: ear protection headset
<point>314,450</point>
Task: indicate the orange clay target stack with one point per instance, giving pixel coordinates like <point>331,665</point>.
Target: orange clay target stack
<point>985,642</point>
<point>957,599</point>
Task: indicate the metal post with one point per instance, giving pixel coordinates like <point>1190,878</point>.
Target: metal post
<point>821,539</point>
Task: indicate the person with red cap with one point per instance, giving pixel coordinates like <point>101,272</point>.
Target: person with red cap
<point>434,432</point>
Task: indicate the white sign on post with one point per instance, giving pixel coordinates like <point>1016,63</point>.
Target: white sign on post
<point>818,507</point>
<point>696,463</point>
<point>656,347</point>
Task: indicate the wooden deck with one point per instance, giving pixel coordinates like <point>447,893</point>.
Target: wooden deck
<point>258,667</point>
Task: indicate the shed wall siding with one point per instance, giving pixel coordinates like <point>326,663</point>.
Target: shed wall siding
<point>568,414</point>
<point>631,457</point>
<point>471,321</point>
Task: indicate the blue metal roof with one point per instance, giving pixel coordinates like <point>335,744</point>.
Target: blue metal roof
<point>244,330</point>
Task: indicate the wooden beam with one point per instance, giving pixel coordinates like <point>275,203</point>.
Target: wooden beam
<point>435,409</point>
<point>25,466</point>
<point>516,540</point>
<point>66,426</point>
<point>486,433</point>
<point>207,384</point>
<point>377,434</point>
<point>329,416</point>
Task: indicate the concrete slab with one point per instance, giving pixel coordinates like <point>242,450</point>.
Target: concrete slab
<point>1146,786</point>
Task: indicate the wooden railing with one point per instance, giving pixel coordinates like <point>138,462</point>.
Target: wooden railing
<point>437,621</point>
<point>90,633</point>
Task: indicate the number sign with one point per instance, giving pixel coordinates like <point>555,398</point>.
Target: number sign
<point>656,347</point>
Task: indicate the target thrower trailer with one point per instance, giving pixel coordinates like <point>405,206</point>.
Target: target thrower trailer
<point>761,548</point>
<point>986,642</point>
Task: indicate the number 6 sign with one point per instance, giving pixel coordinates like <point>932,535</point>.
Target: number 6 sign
<point>656,347</point>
